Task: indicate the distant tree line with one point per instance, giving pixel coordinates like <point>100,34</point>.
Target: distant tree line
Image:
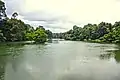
<point>12,29</point>
<point>102,32</point>
<point>58,35</point>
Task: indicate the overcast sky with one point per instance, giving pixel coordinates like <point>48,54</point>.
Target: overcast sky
<point>61,15</point>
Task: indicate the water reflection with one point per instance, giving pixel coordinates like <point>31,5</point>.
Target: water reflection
<point>111,54</point>
<point>3,61</point>
<point>8,53</point>
<point>2,67</point>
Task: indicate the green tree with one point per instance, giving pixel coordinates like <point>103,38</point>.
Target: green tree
<point>14,15</point>
<point>30,36</point>
<point>49,33</point>
<point>39,36</point>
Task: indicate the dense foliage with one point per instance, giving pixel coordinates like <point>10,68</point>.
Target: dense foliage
<point>16,30</point>
<point>39,35</point>
<point>103,32</point>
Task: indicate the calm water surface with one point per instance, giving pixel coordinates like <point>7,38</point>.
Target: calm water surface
<point>63,60</point>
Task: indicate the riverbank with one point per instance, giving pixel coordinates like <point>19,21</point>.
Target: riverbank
<point>104,42</point>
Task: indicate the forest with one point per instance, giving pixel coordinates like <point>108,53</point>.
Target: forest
<point>102,32</point>
<point>12,29</point>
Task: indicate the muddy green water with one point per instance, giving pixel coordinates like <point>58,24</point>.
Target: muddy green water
<point>63,60</point>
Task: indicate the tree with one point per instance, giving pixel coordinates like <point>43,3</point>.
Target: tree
<point>2,38</point>
<point>49,33</point>
<point>3,15</point>
<point>16,30</point>
<point>14,15</point>
<point>40,27</point>
<point>30,36</point>
<point>103,32</point>
<point>39,36</point>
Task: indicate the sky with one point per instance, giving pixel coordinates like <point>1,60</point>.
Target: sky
<point>61,15</point>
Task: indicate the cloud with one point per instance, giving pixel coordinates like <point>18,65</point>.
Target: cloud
<point>63,14</point>
<point>42,16</point>
<point>48,20</point>
<point>54,26</point>
<point>14,5</point>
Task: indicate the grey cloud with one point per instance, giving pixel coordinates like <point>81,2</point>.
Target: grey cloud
<point>54,27</point>
<point>43,16</point>
<point>50,18</point>
<point>48,25</point>
<point>47,19</point>
<point>13,5</point>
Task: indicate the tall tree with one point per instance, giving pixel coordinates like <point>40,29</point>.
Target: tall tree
<point>14,15</point>
<point>3,15</point>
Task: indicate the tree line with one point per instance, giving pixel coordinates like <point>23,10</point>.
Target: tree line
<point>102,32</point>
<point>12,29</point>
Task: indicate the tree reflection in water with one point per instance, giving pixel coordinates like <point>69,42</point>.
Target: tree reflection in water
<point>111,54</point>
<point>8,53</point>
<point>2,67</point>
<point>3,60</point>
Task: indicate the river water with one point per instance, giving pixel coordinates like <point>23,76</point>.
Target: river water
<point>62,60</point>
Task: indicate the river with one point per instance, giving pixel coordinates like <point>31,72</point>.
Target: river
<point>62,60</point>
